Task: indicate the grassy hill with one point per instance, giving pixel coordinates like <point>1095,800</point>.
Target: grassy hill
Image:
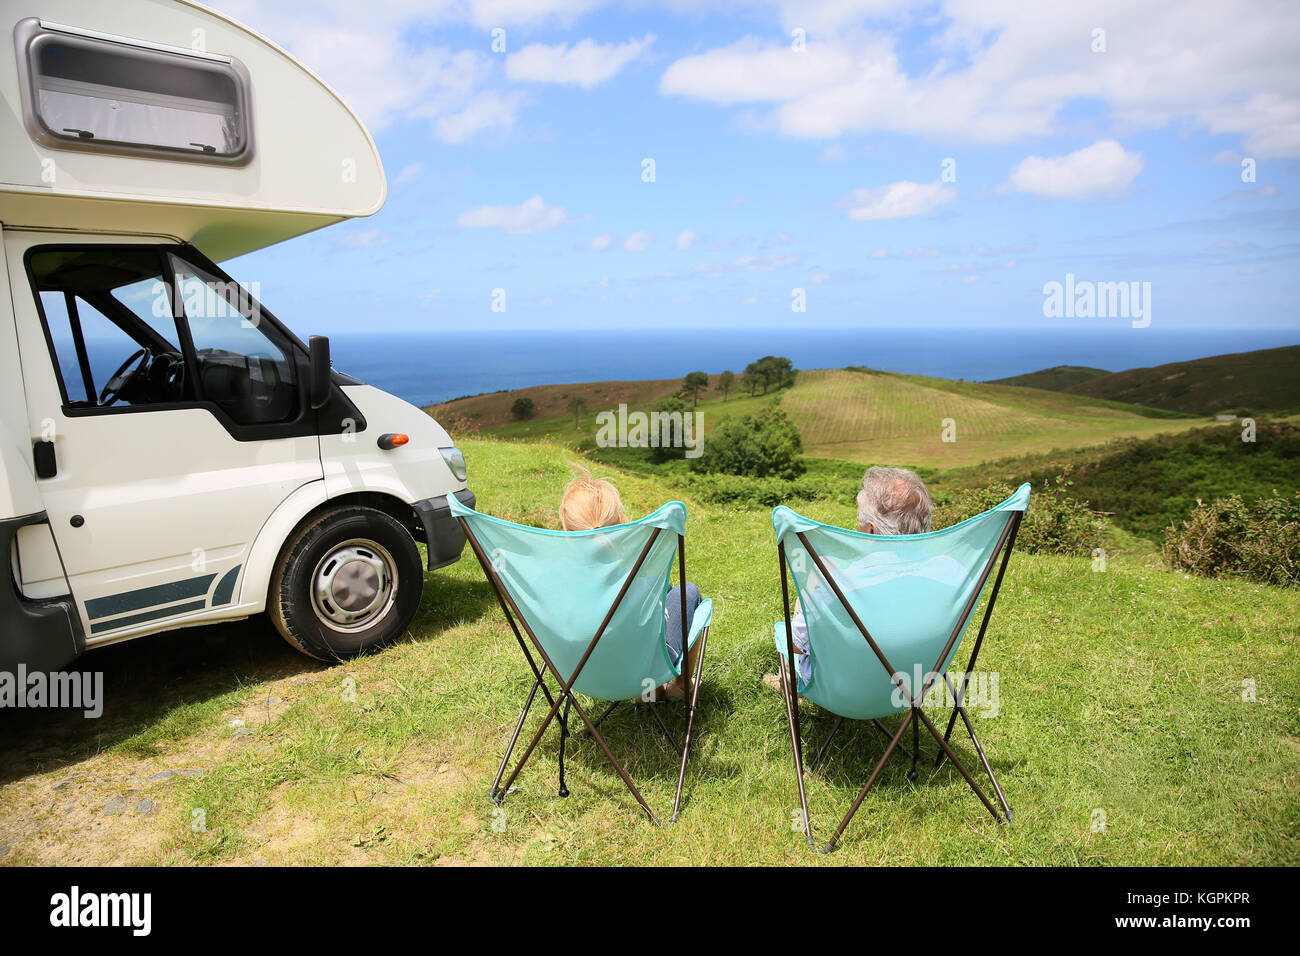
<point>1243,383</point>
<point>1119,691</point>
<point>1054,379</point>
<point>1147,484</point>
<point>868,416</point>
<point>856,415</point>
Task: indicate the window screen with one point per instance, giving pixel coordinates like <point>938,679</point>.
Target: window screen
<point>87,92</point>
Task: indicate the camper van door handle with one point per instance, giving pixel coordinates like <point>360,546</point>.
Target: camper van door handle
<point>76,521</point>
<point>43,458</point>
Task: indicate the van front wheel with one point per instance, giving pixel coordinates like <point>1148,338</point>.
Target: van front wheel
<point>347,581</point>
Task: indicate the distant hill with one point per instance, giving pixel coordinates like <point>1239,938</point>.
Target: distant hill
<point>1056,379</point>
<point>854,414</point>
<point>1243,383</point>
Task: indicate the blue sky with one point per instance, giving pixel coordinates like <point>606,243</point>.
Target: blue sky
<point>799,146</point>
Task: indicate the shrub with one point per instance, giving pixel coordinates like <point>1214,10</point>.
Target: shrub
<point>743,492</point>
<point>672,405</point>
<point>523,408</point>
<point>758,446</point>
<point>1056,522</point>
<point>1230,537</point>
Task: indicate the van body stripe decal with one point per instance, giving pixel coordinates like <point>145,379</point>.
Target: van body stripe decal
<point>148,597</point>
<point>114,624</point>
<point>225,587</point>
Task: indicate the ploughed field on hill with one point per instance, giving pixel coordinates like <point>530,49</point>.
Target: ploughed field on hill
<point>866,416</point>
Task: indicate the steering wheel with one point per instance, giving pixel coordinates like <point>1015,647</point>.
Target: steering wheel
<point>124,377</point>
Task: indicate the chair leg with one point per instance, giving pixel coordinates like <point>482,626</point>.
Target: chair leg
<point>690,721</point>
<point>889,752</point>
<point>618,767</point>
<point>523,715</point>
<point>654,710</point>
<point>821,751</point>
<point>792,718</point>
<point>979,749</point>
<point>916,749</point>
<point>599,720</point>
<point>564,735</point>
<point>888,736</point>
<point>934,731</point>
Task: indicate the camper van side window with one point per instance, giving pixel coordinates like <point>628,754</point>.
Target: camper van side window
<point>111,332</point>
<point>88,92</point>
<point>245,365</point>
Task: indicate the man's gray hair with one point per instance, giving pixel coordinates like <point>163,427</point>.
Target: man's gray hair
<point>895,500</point>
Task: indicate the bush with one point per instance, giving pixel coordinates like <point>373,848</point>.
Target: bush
<point>1230,537</point>
<point>523,408</point>
<point>742,492</point>
<point>758,446</point>
<point>672,405</point>
<point>1056,522</point>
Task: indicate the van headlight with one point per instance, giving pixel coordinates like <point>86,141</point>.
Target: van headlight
<point>455,461</point>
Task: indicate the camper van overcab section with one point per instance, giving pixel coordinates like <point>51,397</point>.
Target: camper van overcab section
<point>171,453</point>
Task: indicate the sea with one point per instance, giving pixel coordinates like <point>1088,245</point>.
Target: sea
<point>427,367</point>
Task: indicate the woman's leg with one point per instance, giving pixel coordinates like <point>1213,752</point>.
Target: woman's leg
<point>673,633</point>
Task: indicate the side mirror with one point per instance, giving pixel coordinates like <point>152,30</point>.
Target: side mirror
<point>320,370</point>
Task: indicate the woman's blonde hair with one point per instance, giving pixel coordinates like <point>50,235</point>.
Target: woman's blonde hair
<point>589,503</point>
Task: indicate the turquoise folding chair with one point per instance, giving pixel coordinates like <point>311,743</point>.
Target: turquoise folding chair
<point>593,606</point>
<point>919,593</point>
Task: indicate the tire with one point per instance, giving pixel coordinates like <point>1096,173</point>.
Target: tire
<point>347,581</point>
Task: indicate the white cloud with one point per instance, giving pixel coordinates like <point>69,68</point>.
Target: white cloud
<point>484,111</point>
<point>366,239</point>
<point>638,242</point>
<point>532,215</point>
<point>834,153</point>
<point>601,243</point>
<point>747,72</point>
<point>1267,191</point>
<point>899,200</point>
<point>685,239</point>
<point>1002,72</point>
<point>586,63</point>
<point>410,172</point>
<point>819,277</point>
<point>1103,170</point>
<point>880,253</point>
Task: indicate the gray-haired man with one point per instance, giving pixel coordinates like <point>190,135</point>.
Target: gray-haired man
<point>891,501</point>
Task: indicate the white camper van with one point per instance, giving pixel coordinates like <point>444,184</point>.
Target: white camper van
<point>171,454</point>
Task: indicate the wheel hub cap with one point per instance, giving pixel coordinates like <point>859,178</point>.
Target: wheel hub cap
<point>353,585</point>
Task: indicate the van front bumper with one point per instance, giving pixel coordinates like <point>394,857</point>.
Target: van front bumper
<point>442,533</point>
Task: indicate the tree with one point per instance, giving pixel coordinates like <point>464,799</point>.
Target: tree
<point>523,408</point>
<point>772,370</point>
<point>693,384</point>
<point>577,405</point>
<point>726,381</point>
<point>671,426</point>
<point>763,445</point>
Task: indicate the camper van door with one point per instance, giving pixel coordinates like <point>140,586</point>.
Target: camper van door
<point>153,501</point>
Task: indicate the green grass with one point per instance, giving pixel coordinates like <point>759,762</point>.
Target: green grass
<point>1120,691</point>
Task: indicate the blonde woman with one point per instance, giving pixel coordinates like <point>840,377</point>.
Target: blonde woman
<point>589,503</point>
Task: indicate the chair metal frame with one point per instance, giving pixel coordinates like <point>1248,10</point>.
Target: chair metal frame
<point>565,693</point>
<point>915,714</point>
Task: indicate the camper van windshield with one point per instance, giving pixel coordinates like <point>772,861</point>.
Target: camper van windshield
<point>93,93</point>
